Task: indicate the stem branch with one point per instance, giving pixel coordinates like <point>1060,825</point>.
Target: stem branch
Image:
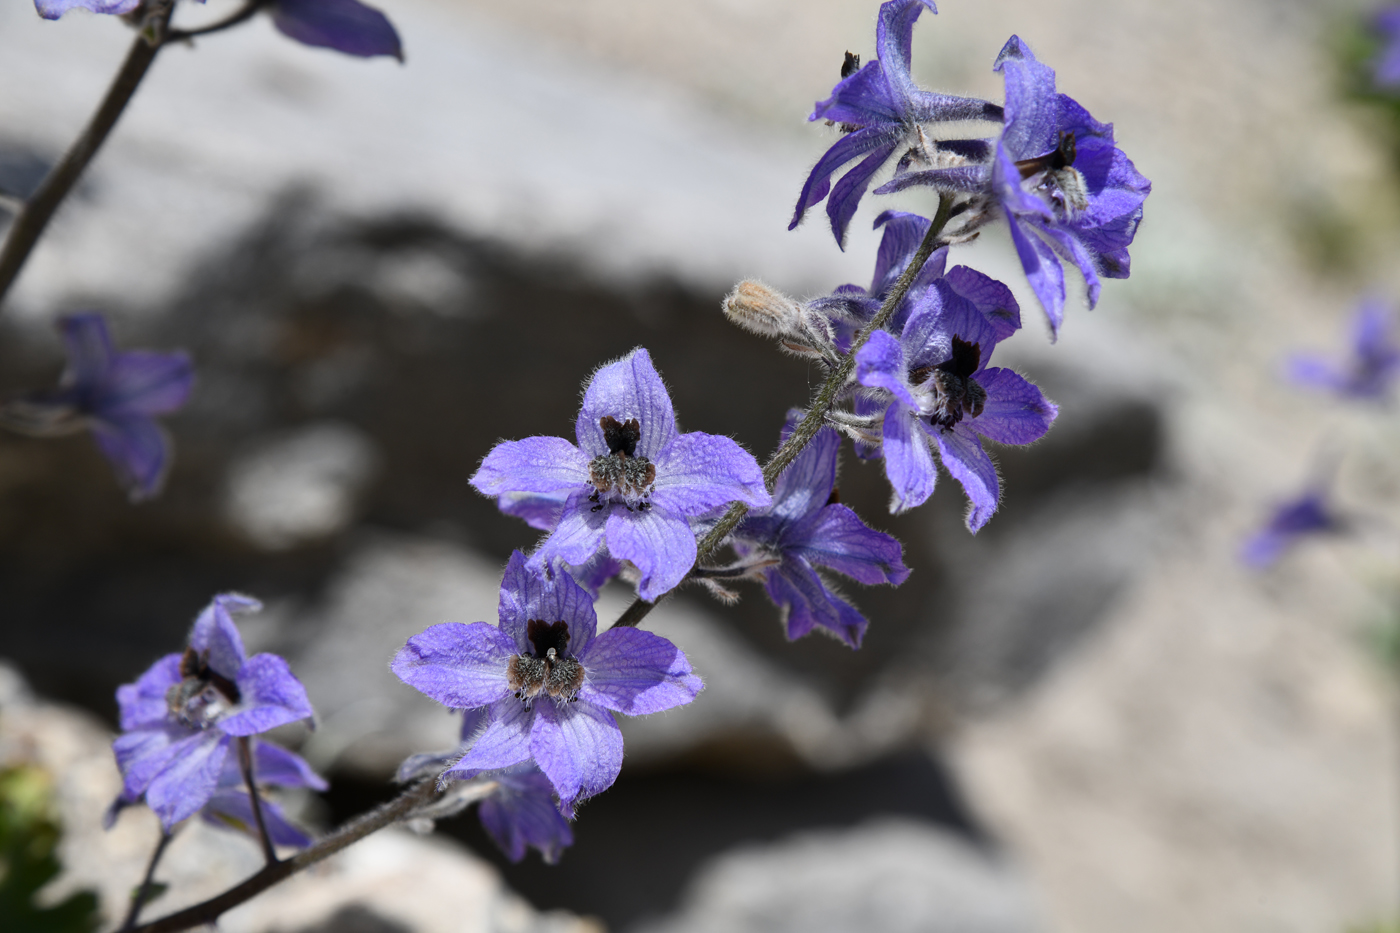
<point>36,213</point>
<point>139,896</point>
<point>245,763</point>
<point>812,422</point>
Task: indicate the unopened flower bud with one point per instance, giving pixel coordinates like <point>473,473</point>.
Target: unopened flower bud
<point>764,311</point>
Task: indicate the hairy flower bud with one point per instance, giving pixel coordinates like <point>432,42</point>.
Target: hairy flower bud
<point>764,311</point>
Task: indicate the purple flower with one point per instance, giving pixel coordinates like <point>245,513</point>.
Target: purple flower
<point>1307,514</point>
<point>230,807</point>
<point>632,482</point>
<point>114,394</point>
<point>937,387</point>
<point>1386,68</point>
<point>879,110</point>
<point>552,686</point>
<point>343,25</point>
<point>1056,175</point>
<point>180,718</point>
<point>806,528</point>
<point>1372,366</point>
<point>53,9</point>
<point>522,813</point>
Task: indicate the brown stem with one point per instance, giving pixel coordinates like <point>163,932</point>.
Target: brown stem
<point>139,896</point>
<point>812,422</point>
<point>249,10</point>
<point>245,763</point>
<point>38,210</point>
<point>414,798</point>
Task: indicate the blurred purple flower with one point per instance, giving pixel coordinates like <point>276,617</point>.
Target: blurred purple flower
<point>806,528</point>
<point>343,25</point>
<point>522,813</point>
<point>879,109</point>
<point>180,718</point>
<point>53,9</point>
<point>632,482</point>
<point>1370,370</point>
<point>1307,514</point>
<point>936,386</point>
<point>552,685</point>
<point>1063,186</point>
<point>114,394</point>
<point>1386,68</point>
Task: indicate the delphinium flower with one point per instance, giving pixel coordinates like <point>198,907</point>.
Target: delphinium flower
<point>1305,515</point>
<point>1056,176</point>
<point>180,719</point>
<point>633,483</point>
<point>116,395</point>
<point>551,683</point>
<point>1370,370</point>
<point>343,25</point>
<point>936,387</point>
<point>1385,71</point>
<point>807,528</point>
<point>879,110</point>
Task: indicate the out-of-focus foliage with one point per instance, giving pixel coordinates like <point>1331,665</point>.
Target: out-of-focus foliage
<point>29,836</point>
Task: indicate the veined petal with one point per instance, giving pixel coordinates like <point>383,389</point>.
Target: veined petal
<point>136,448</point>
<point>536,510</point>
<point>991,298</point>
<point>961,178</point>
<point>661,544</point>
<point>863,99</point>
<point>460,666</point>
<point>215,634</point>
<point>1015,412</point>
<point>848,147</point>
<point>880,364</point>
<point>344,25</point>
<point>846,193</point>
<point>894,40</point>
<point>806,604</point>
<point>806,484</point>
<point>836,537</point>
<point>966,461</point>
<point>504,742</point>
<point>1043,271</point>
<point>273,764</point>
<point>636,672</point>
<point>579,748</point>
<point>1071,246</point>
<point>898,244</point>
<point>1032,109</point>
<point>188,781</point>
<point>143,753</point>
<point>86,339</point>
<point>540,465</point>
<point>908,460</point>
<point>531,594</point>
<point>578,536</point>
<point>143,703</point>
<point>271,696</point>
<point>697,473</point>
<point>141,382</point>
<point>626,389</point>
<point>522,813</point>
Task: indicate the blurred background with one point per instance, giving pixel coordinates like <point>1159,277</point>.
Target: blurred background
<point>1088,718</point>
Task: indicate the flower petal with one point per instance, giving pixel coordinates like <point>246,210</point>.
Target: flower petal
<point>626,389</point>
<point>578,536</point>
<point>214,633</point>
<point>540,465</point>
<point>880,365</point>
<point>846,193</point>
<point>991,298</point>
<point>697,473</point>
<point>143,753</point>
<point>344,25</point>
<point>1043,271</point>
<point>522,813</point>
<point>141,382</point>
<point>233,809</point>
<point>806,484</point>
<point>273,764</point>
<point>53,9</point>
<point>504,742</point>
<point>271,696</point>
<point>531,594</point>
<point>908,461</point>
<point>662,546</point>
<point>136,448</point>
<point>966,461</point>
<point>86,338</point>
<point>848,147</point>
<point>579,748</point>
<point>836,537</point>
<point>806,603</point>
<point>460,666</point>
<point>143,703</point>
<point>189,780</point>
<point>1015,412</point>
<point>536,510</point>
<point>631,671</point>
<point>1032,110</point>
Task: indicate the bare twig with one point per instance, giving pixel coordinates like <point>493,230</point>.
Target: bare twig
<point>245,764</point>
<point>812,422</point>
<point>143,893</point>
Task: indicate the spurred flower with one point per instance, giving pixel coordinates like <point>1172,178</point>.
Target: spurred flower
<point>880,110</point>
<point>522,813</point>
<point>552,684</point>
<point>937,387</point>
<point>1056,175</point>
<point>116,395</point>
<point>807,528</point>
<point>180,718</point>
<point>632,482</point>
<point>1370,370</point>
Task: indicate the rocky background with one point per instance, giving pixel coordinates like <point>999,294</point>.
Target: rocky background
<point>1087,718</point>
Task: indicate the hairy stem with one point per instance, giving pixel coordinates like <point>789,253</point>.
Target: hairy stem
<point>140,895</point>
<point>414,798</point>
<point>245,763</point>
<point>38,210</point>
<point>812,422</point>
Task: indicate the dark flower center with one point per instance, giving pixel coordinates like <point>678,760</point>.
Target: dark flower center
<point>955,392</point>
<point>548,669</point>
<point>850,65</point>
<point>1062,183</point>
<point>1061,157</point>
<point>202,692</point>
<point>620,472</point>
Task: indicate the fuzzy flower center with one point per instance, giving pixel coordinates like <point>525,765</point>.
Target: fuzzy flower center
<point>202,693</point>
<point>951,385</point>
<point>1061,181</point>
<point>548,669</point>
<point>620,475</point>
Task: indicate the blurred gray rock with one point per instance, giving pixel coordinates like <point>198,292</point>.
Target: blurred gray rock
<point>895,876</point>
